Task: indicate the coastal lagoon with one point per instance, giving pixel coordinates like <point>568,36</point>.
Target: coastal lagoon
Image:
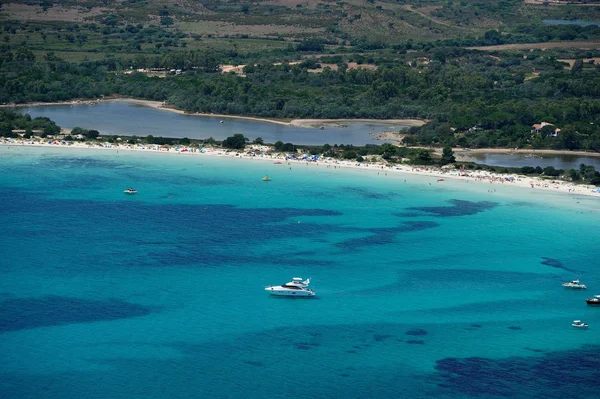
<point>127,118</point>
<point>564,161</point>
<point>424,289</point>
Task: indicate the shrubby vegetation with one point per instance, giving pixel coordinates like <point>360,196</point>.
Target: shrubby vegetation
<point>237,141</point>
<point>10,120</point>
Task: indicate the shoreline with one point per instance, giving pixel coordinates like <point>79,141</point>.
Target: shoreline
<point>161,105</point>
<point>482,177</point>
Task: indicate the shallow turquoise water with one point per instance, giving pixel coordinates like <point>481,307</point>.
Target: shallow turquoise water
<point>445,290</point>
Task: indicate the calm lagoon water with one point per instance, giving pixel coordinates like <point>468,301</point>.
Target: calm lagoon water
<point>565,162</point>
<point>120,117</point>
<point>425,289</point>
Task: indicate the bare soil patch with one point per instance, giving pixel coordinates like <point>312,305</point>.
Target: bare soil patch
<point>571,62</point>
<point>533,76</point>
<point>351,65</point>
<point>23,12</point>
<point>239,69</point>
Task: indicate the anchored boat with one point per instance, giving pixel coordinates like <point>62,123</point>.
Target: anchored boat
<point>295,288</point>
<point>575,284</point>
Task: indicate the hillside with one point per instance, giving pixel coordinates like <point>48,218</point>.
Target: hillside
<point>92,28</point>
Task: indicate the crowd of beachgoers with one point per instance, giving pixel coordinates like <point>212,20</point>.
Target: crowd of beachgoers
<point>379,166</point>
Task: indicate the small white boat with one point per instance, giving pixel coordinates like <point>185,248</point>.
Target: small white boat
<point>575,284</point>
<point>295,288</point>
<point>579,324</point>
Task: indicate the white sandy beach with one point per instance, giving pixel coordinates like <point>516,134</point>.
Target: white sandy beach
<point>265,154</point>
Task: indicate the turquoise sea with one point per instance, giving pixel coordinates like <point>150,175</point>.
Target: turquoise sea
<point>424,289</point>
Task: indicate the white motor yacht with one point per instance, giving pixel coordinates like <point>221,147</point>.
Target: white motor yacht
<point>579,324</point>
<point>574,284</point>
<point>130,190</point>
<point>295,288</point>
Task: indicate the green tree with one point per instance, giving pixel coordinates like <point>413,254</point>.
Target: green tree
<point>51,129</point>
<point>551,171</point>
<point>259,141</point>
<point>24,55</point>
<point>349,154</point>
<point>288,147</point>
<point>92,134</point>
<point>310,45</point>
<point>423,157</point>
<point>447,156</point>
<point>547,131</point>
<point>577,66</point>
<point>79,130</point>
<point>388,150</point>
<point>568,138</point>
<point>5,130</point>
<point>166,20</point>
<point>574,175</point>
<point>237,141</point>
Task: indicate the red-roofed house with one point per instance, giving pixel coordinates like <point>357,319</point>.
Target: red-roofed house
<point>537,128</point>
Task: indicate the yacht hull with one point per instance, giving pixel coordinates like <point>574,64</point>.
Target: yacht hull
<point>290,293</point>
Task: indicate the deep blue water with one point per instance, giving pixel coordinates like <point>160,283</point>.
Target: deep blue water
<point>121,117</point>
<point>423,290</point>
